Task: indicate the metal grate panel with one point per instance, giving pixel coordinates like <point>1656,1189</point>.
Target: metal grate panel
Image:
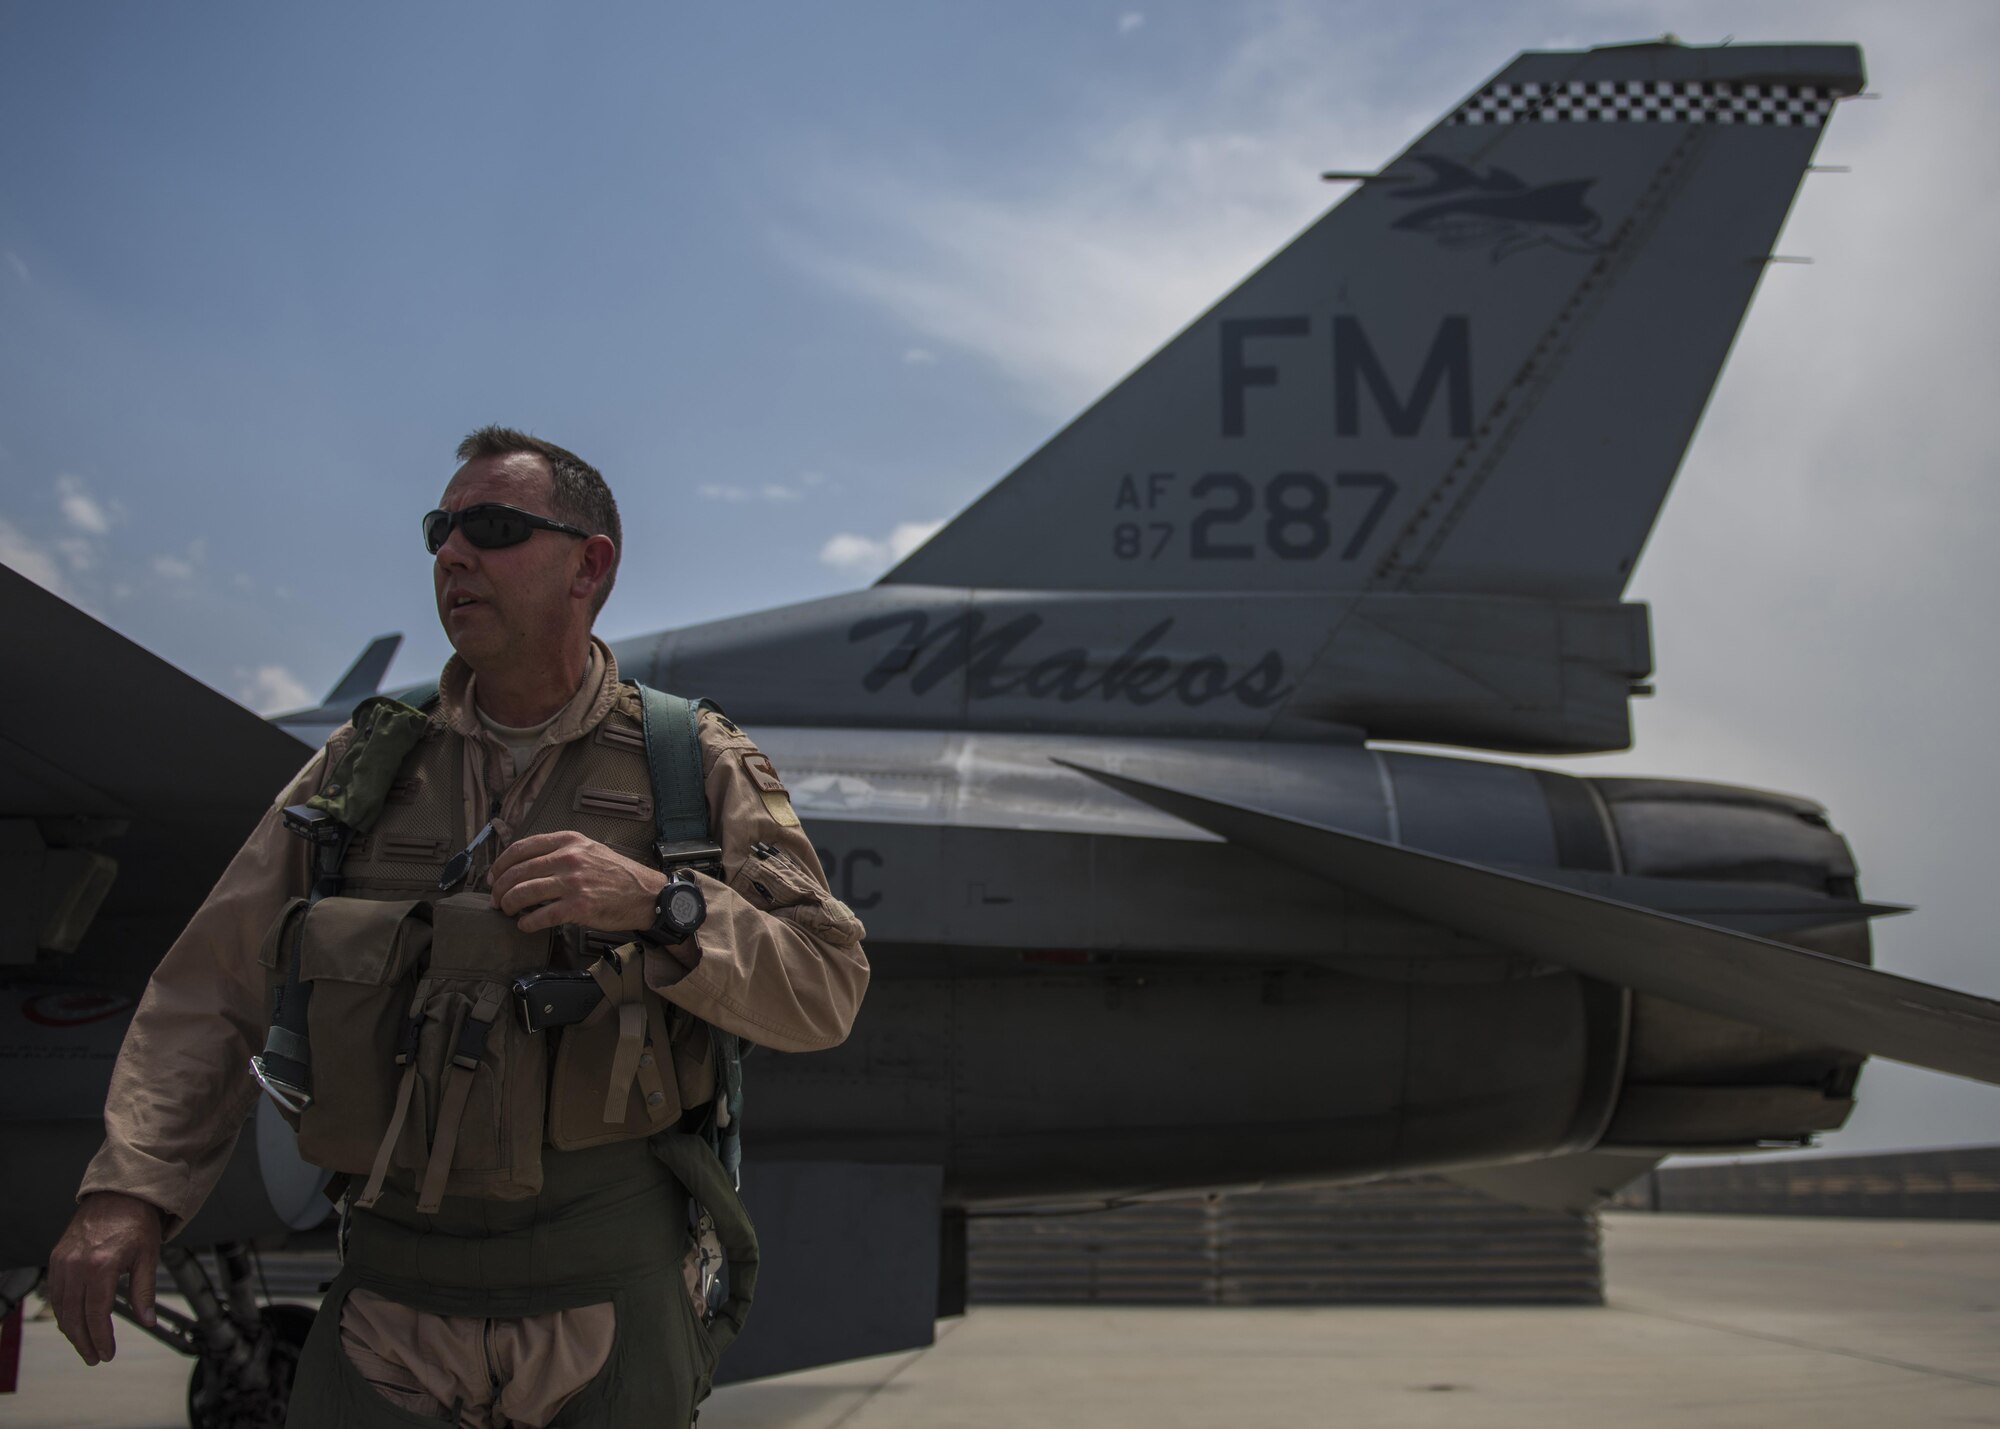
<point>1422,1240</point>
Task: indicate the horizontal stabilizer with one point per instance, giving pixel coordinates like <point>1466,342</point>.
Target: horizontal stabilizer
<point>1759,908</point>
<point>1733,974</point>
<point>364,676</point>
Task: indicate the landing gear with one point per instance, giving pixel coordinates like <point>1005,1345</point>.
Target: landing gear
<point>215,1401</point>
<point>244,1354</point>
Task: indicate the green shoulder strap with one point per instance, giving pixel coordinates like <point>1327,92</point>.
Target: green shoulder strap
<point>418,696</point>
<point>673,758</point>
<point>680,818</point>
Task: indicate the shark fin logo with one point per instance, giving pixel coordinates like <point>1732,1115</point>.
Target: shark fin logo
<point>1498,210</point>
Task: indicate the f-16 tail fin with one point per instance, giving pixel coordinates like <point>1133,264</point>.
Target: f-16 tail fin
<point>1735,975</point>
<point>364,676</point>
<point>1476,374</point>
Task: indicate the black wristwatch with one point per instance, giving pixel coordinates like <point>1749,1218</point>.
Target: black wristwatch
<point>677,912</point>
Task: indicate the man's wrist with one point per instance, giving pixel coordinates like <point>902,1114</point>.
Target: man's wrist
<point>119,1203</point>
<point>655,881</point>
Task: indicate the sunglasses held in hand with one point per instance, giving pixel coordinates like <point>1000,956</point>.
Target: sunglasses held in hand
<point>489,526</point>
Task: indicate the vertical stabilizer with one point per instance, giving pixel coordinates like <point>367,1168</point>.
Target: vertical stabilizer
<point>1476,374</point>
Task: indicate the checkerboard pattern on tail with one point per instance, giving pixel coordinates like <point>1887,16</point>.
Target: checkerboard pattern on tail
<point>1656,101</point>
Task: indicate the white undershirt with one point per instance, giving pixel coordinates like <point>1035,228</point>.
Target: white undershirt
<point>520,742</point>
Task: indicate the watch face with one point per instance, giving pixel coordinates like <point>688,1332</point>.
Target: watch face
<point>685,907</point>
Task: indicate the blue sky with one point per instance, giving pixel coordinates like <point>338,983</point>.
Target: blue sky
<point>265,262</point>
<point>804,279</point>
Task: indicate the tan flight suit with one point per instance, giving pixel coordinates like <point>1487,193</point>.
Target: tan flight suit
<point>780,965</point>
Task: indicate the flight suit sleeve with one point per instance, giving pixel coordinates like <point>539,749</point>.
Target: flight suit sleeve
<point>181,1088</point>
<point>778,960</point>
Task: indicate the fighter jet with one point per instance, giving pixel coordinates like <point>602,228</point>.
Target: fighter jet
<point>1150,908</point>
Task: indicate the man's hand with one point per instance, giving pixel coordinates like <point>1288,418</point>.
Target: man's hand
<point>110,1235</point>
<point>545,880</point>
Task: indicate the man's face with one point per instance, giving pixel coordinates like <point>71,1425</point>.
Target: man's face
<point>515,604</point>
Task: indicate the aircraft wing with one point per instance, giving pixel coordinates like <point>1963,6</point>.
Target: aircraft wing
<point>1733,974</point>
<point>109,748</point>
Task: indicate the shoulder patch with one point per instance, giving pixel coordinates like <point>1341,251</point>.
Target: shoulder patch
<point>777,803</point>
<point>718,739</point>
<point>761,771</point>
<point>780,809</point>
<point>716,730</point>
<point>710,707</point>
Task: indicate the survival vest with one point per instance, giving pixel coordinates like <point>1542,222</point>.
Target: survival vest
<point>396,1047</point>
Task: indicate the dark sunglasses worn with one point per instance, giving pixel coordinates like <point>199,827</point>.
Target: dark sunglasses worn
<point>490,525</point>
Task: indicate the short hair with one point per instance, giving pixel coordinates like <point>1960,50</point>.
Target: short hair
<point>580,494</point>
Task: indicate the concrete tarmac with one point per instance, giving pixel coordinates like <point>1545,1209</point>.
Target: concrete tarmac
<point>1712,1321</point>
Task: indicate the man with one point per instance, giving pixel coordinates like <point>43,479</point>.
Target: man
<point>514,1312</point>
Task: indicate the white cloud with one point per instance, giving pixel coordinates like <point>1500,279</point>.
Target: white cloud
<point>1063,276</point>
<point>272,689</point>
<point>1130,21</point>
<point>80,508</point>
<point>79,551</point>
<point>847,551</point>
<point>769,491</point>
<point>32,561</point>
<point>181,568</point>
<point>19,265</point>
<point>919,357</point>
<point>854,553</point>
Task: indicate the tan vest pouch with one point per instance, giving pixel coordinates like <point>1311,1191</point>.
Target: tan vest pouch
<point>615,1075</point>
<point>471,1080</point>
<point>358,953</point>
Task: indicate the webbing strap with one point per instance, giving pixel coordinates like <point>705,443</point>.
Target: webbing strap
<point>673,759</point>
<point>287,1043</point>
<point>406,1058</point>
<point>379,1172</point>
<point>470,1045</point>
<point>621,974</point>
<point>291,935</point>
